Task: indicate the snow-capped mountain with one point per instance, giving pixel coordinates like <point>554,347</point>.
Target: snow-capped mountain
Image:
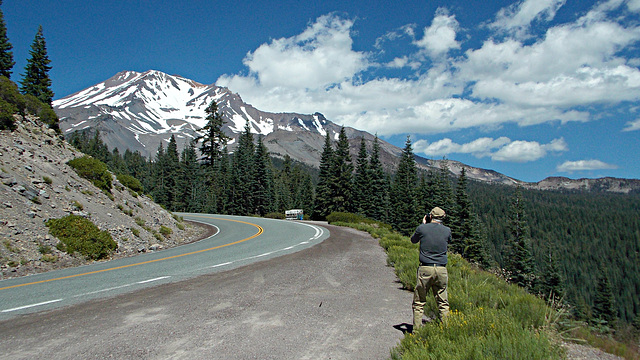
<point>137,111</point>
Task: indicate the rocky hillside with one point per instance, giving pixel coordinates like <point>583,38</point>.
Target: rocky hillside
<point>37,185</point>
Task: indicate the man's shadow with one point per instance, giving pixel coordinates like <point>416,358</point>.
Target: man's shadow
<point>404,327</point>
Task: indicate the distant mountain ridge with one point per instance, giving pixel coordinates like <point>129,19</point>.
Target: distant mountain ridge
<point>139,111</point>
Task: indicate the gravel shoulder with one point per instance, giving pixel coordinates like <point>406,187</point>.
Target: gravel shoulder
<point>336,300</point>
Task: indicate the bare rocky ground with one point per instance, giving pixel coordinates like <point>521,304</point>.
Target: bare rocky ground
<point>37,185</point>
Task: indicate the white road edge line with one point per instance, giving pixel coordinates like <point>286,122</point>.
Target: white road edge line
<point>30,306</point>
<point>152,280</point>
<point>223,264</point>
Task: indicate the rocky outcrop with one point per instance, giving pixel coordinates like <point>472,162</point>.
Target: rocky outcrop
<point>37,185</point>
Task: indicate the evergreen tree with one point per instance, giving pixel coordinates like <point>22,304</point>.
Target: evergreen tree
<point>160,192</point>
<point>378,208</point>
<point>342,177</point>
<point>404,202</point>
<point>520,263</point>
<point>6,55</point>
<point>461,223</point>
<point>243,180</point>
<point>36,79</point>
<point>604,304</point>
<point>189,184</point>
<point>172,171</point>
<point>362,182</point>
<point>213,138</point>
<point>263,192</point>
<point>550,284</point>
<point>321,206</point>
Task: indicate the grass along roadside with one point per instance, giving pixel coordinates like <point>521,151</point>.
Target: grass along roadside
<point>489,318</point>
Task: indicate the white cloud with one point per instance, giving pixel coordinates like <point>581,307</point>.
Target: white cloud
<point>517,18</point>
<point>480,147</point>
<point>634,5</point>
<point>525,151</point>
<point>440,37</point>
<point>320,56</point>
<point>584,165</point>
<point>507,150</point>
<point>632,125</point>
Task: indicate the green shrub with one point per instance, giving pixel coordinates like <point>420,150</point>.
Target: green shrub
<point>130,182</point>
<point>135,232</point>
<point>349,218</point>
<point>165,231</point>
<point>49,258</point>
<point>46,114</point>
<point>139,221</point>
<point>275,215</point>
<point>93,170</point>
<point>80,235</point>
<point>6,115</point>
<point>77,205</point>
<point>47,180</point>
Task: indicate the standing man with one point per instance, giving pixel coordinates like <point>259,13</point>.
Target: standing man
<point>433,237</point>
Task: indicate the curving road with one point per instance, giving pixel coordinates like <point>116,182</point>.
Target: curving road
<point>239,241</point>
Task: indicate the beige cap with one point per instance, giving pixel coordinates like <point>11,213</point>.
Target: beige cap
<point>437,213</point>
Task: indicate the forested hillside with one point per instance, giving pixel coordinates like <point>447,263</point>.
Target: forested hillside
<point>589,236</point>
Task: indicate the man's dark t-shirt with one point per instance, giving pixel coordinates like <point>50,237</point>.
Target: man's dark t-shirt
<point>433,238</point>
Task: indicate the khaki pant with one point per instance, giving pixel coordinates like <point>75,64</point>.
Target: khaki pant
<point>432,278</point>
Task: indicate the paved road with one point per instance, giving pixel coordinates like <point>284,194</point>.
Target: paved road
<point>334,300</point>
<point>239,241</point>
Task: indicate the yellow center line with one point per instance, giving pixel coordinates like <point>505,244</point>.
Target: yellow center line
<point>260,231</point>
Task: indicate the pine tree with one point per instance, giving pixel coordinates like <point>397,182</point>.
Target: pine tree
<point>6,55</point>
<point>379,193</point>
<point>213,138</point>
<point>342,177</point>
<point>190,180</point>
<point>362,182</point>
<point>520,258</point>
<point>604,308</point>
<point>404,202</point>
<point>172,171</point>
<point>263,192</point>
<point>321,206</point>
<point>550,284</point>
<point>36,79</point>
<point>160,191</point>
<point>243,180</point>
<point>461,223</point>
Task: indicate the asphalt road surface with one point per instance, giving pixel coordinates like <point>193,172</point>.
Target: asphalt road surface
<point>334,300</point>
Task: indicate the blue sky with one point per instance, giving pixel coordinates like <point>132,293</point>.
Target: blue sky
<point>531,89</point>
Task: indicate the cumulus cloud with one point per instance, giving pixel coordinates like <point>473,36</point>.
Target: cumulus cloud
<point>320,56</point>
<point>525,151</point>
<point>518,17</point>
<point>584,165</point>
<point>440,37</point>
<point>632,125</point>
<point>501,149</point>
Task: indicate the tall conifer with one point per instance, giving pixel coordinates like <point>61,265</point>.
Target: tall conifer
<point>321,206</point>
<point>342,176</point>
<point>404,202</point>
<point>6,55</point>
<point>36,79</point>
<point>362,182</point>
<point>520,257</point>
<point>379,193</point>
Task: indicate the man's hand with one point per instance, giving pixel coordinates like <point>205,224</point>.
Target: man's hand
<point>424,219</point>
